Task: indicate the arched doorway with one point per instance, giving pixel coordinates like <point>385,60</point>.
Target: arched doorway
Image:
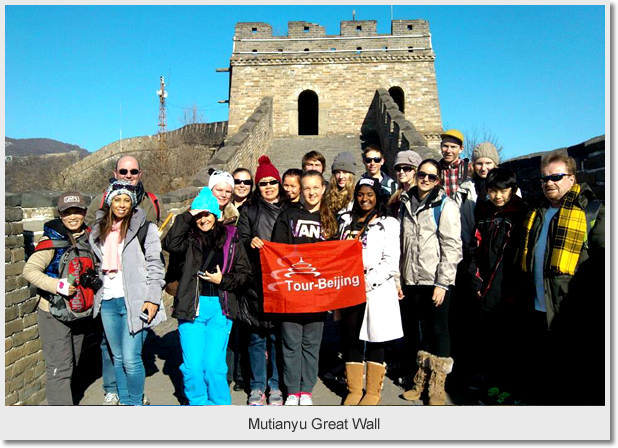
<point>398,97</point>
<point>308,111</point>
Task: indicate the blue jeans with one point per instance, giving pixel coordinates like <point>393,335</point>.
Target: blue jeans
<point>260,343</point>
<point>126,351</point>
<point>204,345</point>
<point>109,377</point>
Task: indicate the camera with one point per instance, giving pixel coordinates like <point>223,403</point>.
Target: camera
<point>90,279</point>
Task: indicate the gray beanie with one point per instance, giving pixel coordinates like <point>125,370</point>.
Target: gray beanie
<point>344,162</point>
<point>408,158</point>
<point>486,149</point>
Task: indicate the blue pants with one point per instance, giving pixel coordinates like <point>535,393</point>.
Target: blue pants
<point>126,351</point>
<point>261,343</point>
<point>204,344</point>
<point>109,377</point>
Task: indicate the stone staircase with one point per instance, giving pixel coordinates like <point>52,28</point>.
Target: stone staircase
<point>287,152</point>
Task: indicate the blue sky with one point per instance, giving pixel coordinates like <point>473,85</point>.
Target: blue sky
<point>534,76</point>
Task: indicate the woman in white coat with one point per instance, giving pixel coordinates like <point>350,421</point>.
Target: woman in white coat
<point>378,320</point>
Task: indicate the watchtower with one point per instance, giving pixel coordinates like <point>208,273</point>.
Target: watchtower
<point>324,84</point>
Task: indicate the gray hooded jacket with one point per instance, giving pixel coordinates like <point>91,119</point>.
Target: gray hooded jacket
<point>143,273</point>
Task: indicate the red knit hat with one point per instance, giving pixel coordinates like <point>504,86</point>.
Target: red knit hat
<point>266,169</point>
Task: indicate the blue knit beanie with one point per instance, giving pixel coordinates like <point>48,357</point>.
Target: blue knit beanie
<point>206,201</point>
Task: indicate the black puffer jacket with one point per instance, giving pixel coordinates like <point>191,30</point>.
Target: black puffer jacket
<point>236,270</point>
<point>255,220</point>
<point>495,239</point>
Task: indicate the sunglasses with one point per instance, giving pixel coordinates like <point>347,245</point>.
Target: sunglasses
<point>373,159</point>
<point>124,187</point>
<point>243,181</point>
<point>124,171</point>
<point>404,168</point>
<point>269,182</point>
<point>553,177</point>
<point>423,175</point>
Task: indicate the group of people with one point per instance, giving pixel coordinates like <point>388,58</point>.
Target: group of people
<point>451,252</point>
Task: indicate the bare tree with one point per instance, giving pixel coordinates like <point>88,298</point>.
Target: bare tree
<point>476,135</point>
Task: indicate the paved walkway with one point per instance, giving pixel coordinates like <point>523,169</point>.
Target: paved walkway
<point>162,358</point>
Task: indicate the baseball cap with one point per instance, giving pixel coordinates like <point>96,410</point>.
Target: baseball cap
<point>454,133</point>
<point>71,199</point>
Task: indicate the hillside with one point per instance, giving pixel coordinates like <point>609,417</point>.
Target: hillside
<point>22,147</point>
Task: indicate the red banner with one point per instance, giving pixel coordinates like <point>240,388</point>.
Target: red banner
<point>309,278</point>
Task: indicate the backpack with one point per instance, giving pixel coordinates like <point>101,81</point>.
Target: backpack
<point>75,260</point>
<point>153,198</point>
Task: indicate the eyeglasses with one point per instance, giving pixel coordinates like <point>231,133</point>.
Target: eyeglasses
<point>124,171</point>
<point>268,182</point>
<point>117,186</point>
<point>423,175</point>
<point>404,168</point>
<point>373,159</point>
<point>553,177</point>
<point>243,181</point>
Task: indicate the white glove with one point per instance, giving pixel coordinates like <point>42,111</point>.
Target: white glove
<point>63,286</point>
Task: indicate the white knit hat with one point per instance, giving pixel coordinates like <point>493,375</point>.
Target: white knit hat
<point>220,176</point>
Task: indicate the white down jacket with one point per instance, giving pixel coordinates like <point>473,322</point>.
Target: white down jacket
<point>430,240</point>
<point>382,320</point>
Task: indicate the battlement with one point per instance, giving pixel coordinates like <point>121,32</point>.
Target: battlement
<point>356,37</point>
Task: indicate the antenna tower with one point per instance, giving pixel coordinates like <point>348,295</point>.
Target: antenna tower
<point>162,136</point>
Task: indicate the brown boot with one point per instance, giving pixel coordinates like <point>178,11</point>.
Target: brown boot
<point>421,378</point>
<point>354,372</point>
<point>440,367</point>
<point>375,381</point>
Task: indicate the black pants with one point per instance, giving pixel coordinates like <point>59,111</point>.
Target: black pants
<point>433,319</point>
<point>352,348</point>
<point>236,354</point>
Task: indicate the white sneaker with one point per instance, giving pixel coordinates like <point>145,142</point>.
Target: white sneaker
<point>292,400</point>
<point>306,400</point>
<point>111,399</point>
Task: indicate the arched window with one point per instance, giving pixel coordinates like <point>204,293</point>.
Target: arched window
<point>398,97</point>
<point>308,112</point>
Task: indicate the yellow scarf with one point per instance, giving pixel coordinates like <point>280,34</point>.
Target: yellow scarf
<point>568,239</point>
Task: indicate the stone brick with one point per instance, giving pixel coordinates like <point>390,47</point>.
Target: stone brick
<point>12,200</point>
<point>28,306</point>
<point>13,327</point>
<point>17,228</point>
<point>583,176</point>
<point>13,214</point>
<point>15,297</point>
<point>10,313</point>
<point>29,320</point>
<point>14,268</point>
<point>17,383</point>
<point>8,344</point>
<point>28,392</point>
<point>14,241</point>
<point>7,255</point>
<point>13,355</point>
<point>36,398</point>
<point>25,336</point>
<point>18,254</point>
<point>24,363</point>
<point>11,399</point>
<point>10,284</point>
<point>39,369</point>
<point>595,162</point>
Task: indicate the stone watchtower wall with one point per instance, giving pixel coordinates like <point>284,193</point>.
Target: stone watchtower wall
<point>590,159</point>
<point>24,367</point>
<point>394,131</point>
<point>344,71</point>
